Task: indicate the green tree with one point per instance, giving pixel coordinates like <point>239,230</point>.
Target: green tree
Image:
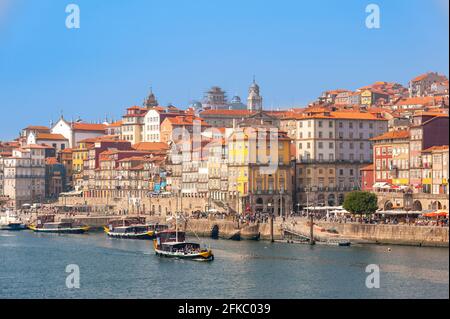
<point>360,203</point>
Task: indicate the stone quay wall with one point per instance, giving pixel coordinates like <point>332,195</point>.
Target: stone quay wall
<point>228,229</point>
<point>392,234</point>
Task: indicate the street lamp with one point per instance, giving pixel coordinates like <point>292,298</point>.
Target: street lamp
<point>272,239</point>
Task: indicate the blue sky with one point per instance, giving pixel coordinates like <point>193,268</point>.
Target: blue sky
<point>296,49</point>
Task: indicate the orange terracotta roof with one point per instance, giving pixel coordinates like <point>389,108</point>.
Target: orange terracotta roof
<point>436,148</point>
<point>51,161</point>
<point>368,168</point>
<point>67,150</point>
<point>89,127</point>
<point>37,128</point>
<point>426,100</point>
<point>151,146</point>
<point>51,137</point>
<point>186,121</point>
<point>33,146</point>
<point>392,135</point>
<point>420,77</point>
<point>115,124</point>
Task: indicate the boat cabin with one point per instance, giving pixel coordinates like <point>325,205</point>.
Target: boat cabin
<point>174,247</point>
<point>57,225</point>
<point>170,236</point>
<point>157,227</point>
<point>130,229</point>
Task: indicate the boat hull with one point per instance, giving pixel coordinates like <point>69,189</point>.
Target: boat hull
<point>144,236</point>
<point>149,235</point>
<point>75,230</point>
<point>13,227</point>
<point>203,256</point>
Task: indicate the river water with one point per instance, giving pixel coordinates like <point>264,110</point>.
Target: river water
<point>34,266</point>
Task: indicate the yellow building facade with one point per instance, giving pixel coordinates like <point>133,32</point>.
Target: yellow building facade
<point>260,172</point>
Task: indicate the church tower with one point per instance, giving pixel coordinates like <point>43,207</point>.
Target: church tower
<point>150,101</point>
<point>255,100</point>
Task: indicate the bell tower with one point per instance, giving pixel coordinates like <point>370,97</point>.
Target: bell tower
<point>254,100</point>
<point>150,101</point>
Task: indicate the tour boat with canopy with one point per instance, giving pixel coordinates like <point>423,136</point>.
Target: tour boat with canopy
<point>47,224</point>
<point>173,244</point>
<point>133,228</point>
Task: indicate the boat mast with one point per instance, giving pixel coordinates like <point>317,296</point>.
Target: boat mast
<point>176,227</point>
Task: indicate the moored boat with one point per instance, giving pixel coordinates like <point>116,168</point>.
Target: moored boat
<point>59,228</point>
<point>11,222</point>
<point>47,224</point>
<point>130,232</point>
<point>133,228</point>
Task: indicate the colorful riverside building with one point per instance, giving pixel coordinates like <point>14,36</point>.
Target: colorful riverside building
<point>260,172</point>
<point>435,170</point>
<point>428,129</point>
<point>330,147</point>
<point>391,159</point>
<point>24,175</point>
<point>55,178</point>
<point>411,166</point>
<point>65,158</point>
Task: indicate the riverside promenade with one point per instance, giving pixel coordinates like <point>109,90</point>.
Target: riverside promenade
<point>229,228</point>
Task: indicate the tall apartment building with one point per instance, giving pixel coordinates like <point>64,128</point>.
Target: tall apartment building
<point>153,120</point>
<point>391,160</point>
<point>331,147</point>
<point>259,170</point>
<point>133,124</point>
<point>24,175</point>
<point>428,129</point>
<point>435,170</point>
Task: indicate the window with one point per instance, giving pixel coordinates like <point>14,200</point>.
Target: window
<point>320,124</point>
<point>330,124</point>
<point>320,145</point>
<point>331,145</point>
<point>361,125</point>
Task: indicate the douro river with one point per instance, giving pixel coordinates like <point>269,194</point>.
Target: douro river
<point>34,266</point>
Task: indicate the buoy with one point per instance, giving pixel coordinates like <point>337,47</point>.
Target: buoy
<point>389,249</point>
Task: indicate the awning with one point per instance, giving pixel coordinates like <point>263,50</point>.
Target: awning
<point>398,212</point>
<point>380,185</point>
<point>436,214</point>
<point>75,193</point>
